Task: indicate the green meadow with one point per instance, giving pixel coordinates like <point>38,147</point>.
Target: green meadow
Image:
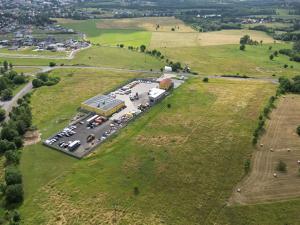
<point>165,167</point>
<point>109,37</point>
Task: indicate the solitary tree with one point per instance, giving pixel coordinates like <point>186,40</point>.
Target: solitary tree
<point>5,65</point>
<point>281,166</point>
<point>271,57</point>
<point>142,48</point>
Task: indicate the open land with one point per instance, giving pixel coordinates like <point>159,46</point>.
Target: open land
<point>280,142</point>
<point>150,154</point>
<point>143,31</point>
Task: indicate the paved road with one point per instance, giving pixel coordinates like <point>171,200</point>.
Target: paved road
<point>8,105</point>
<point>48,68</point>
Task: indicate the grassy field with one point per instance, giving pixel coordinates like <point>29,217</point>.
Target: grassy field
<point>108,37</point>
<point>137,31</point>
<point>170,156</point>
<point>99,56</point>
<point>228,59</point>
<point>52,111</point>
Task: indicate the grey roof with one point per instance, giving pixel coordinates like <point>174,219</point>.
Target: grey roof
<point>103,102</point>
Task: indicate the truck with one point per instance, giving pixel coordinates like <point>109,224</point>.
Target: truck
<point>74,145</point>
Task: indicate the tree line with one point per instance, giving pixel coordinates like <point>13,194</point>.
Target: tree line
<point>11,143</point>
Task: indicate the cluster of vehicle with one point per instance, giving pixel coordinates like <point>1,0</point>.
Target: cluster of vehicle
<point>67,132</point>
<point>143,107</point>
<point>95,121</point>
<point>125,90</point>
<point>113,128</point>
<point>133,97</point>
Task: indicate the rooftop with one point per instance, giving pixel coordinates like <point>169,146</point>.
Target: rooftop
<point>103,102</point>
<point>156,92</point>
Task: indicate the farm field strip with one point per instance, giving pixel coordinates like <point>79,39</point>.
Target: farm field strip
<point>260,186</point>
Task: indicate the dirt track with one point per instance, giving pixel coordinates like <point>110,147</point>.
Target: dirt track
<point>280,142</point>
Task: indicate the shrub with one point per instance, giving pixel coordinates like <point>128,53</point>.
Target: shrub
<point>2,115</point>
<point>281,166</point>
<point>12,176</point>
<point>205,79</point>
<point>6,94</point>
<point>12,157</point>
<point>52,64</point>
<point>136,190</point>
<point>247,165</point>
<point>14,194</point>
<point>298,130</point>
<point>242,47</point>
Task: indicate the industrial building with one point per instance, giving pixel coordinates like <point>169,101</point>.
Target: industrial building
<point>103,105</point>
<point>166,84</point>
<point>155,94</point>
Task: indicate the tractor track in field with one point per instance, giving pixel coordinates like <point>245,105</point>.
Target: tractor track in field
<point>280,142</point>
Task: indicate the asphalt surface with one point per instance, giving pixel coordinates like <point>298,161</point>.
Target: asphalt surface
<point>8,105</point>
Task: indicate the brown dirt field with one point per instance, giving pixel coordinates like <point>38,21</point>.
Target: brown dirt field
<point>145,23</point>
<point>32,137</point>
<point>260,185</point>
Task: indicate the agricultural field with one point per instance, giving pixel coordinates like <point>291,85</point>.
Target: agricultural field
<point>228,59</point>
<point>166,167</point>
<point>146,23</point>
<point>189,39</point>
<point>280,142</point>
<point>139,31</point>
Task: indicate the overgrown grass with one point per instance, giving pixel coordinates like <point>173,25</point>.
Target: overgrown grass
<point>183,159</point>
<point>228,59</point>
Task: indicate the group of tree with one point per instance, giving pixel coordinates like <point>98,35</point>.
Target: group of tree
<point>246,40</point>
<point>8,81</point>
<point>289,85</point>
<point>262,118</point>
<point>10,145</point>
<point>293,53</point>
<point>43,79</point>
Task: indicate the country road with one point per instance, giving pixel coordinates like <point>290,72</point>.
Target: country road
<point>8,105</point>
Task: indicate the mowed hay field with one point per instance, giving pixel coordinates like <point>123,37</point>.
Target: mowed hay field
<point>224,37</point>
<point>280,142</point>
<point>146,23</point>
<point>52,109</point>
<point>229,59</point>
<point>174,165</point>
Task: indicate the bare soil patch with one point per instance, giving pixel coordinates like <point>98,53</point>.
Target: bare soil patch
<point>280,142</point>
<point>32,137</point>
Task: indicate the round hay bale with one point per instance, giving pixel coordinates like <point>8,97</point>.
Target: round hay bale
<point>275,175</point>
<point>238,190</point>
<point>261,145</point>
<point>271,149</point>
<point>288,149</point>
<point>298,161</point>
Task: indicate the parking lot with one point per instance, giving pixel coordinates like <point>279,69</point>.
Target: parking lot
<point>91,129</point>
